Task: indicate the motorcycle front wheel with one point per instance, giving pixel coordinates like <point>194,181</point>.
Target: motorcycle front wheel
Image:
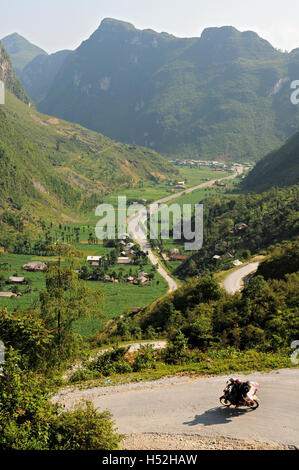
<point>254,405</point>
<point>225,402</point>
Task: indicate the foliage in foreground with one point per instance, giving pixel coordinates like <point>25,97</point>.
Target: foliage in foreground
<point>29,421</point>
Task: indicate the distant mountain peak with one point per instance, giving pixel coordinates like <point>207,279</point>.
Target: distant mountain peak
<point>222,31</point>
<point>114,23</point>
<point>20,50</point>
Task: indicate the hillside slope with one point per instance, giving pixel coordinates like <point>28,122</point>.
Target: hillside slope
<point>50,164</point>
<point>8,77</point>
<point>279,168</point>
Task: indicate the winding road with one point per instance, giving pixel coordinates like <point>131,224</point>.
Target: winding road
<point>136,226</point>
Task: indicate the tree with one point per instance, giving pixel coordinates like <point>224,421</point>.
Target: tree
<point>66,300</point>
<point>177,348</point>
<point>26,333</point>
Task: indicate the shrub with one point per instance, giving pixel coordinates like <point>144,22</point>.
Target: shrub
<point>84,374</point>
<point>112,362</point>
<point>84,429</point>
<point>145,359</point>
<point>29,421</point>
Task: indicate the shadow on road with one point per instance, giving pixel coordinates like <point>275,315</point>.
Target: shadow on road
<point>217,416</point>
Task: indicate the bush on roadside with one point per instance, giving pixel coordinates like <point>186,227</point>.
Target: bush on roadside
<point>29,421</point>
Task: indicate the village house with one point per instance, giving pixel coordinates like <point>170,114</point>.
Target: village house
<point>124,260</point>
<point>7,295</point>
<point>142,280</point>
<point>179,257</point>
<point>129,246</point>
<point>35,266</point>
<point>236,263</point>
<point>16,280</point>
<point>239,227</point>
<point>124,236</point>
<point>94,260</point>
<point>135,309</point>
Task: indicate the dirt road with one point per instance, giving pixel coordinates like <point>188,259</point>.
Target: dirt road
<point>181,405</point>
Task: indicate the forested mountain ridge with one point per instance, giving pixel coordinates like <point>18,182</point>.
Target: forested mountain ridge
<point>279,168</point>
<point>224,95</point>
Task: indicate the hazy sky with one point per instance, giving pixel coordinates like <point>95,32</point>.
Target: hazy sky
<point>64,24</point>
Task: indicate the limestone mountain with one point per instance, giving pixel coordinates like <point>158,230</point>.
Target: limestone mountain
<point>38,76</point>
<point>224,95</point>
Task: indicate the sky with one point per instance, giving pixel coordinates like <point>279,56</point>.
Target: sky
<point>63,24</point>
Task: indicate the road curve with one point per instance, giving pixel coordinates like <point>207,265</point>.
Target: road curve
<point>235,281</point>
<point>181,405</point>
<point>138,233</point>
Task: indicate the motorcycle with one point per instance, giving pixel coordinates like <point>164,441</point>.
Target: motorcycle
<point>250,399</point>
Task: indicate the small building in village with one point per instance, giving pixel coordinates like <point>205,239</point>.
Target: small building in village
<point>16,280</point>
<point>236,263</point>
<point>124,260</point>
<point>35,266</point>
<point>94,260</point>
<point>7,295</point>
<point>239,227</point>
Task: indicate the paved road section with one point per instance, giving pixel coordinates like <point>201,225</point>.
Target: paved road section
<point>181,405</point>
<point>235,281</point>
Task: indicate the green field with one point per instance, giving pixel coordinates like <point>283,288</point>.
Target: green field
<point>36,281</point>
<point>194,176</point>
<point>117,297</point>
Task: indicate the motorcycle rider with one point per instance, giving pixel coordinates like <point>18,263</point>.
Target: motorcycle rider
<point>238,391</point>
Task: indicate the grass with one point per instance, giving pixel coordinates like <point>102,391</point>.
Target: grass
<point>194,176</point>
<point>233,363</point>
<point>36,280</point>
<point>119,298</point>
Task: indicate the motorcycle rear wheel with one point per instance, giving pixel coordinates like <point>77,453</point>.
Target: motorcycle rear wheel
<point>225,402</point>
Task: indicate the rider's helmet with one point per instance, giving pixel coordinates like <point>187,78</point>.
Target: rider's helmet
<point>239,382</point>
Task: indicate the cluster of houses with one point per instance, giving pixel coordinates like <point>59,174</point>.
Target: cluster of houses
<point>215,165</point>
<point>234,263</point>
<point>240,227</point>
<point>141,279</point>
<point>127,253</point>
<point>33,266</point>
<point>199,163</point>
<point>13,280</point>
